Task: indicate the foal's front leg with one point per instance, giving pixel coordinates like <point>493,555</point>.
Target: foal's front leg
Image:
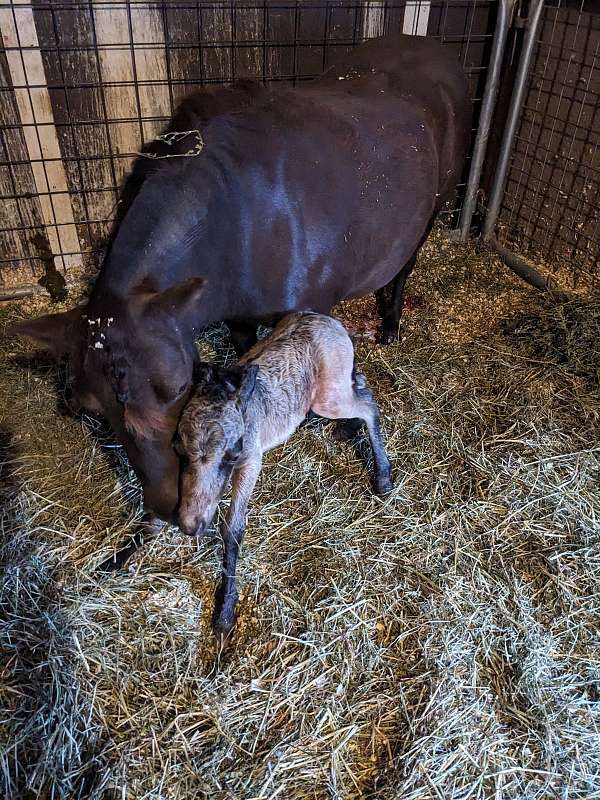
<point>232,532</point>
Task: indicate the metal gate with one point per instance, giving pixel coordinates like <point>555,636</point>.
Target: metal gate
<point>550,210</point>
<point>543,201</point>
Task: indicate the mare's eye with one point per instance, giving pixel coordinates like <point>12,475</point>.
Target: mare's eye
<point>167,394</point>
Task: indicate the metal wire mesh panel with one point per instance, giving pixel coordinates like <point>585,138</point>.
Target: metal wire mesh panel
<point>84,84</point>
<point>551,207</point>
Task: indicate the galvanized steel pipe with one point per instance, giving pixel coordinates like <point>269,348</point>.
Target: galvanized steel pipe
<point>516,104</point>
<point>505,12</point>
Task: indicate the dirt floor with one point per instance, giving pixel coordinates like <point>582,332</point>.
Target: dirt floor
<point>441,644</point>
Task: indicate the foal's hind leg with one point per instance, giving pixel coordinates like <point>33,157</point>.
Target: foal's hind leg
<point>365,408</point>
<point>355,403</point>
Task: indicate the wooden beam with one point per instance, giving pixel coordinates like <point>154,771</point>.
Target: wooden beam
<point>118,30</point>
<point>416,17</point>
<point>39,131</point>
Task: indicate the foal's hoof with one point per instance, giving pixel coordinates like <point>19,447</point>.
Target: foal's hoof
<point>224,613</point>
<point>119,559</point>
<point>384,485</point>
<point>112,564</point>
<point>347,430</point>
<point>223,622</point>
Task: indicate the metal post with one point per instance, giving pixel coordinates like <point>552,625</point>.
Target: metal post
<point>505,11</point>
<point>514,114</point>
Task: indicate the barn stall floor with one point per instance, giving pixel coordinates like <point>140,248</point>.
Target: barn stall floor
<point>442,643</point>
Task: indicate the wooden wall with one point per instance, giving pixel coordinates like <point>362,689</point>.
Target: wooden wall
<point>84,84</point>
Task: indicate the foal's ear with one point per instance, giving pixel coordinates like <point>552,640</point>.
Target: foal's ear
<point>238,382</point>
<point>52,331</point>
<point>247,386</point>
<point>230,378</point>
<point>203,373</point>
<point>179,301</point>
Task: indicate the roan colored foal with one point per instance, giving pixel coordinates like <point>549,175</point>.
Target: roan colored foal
<point>235,415</point>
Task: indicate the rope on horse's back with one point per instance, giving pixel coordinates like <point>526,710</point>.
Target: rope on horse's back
<point>174,137</point>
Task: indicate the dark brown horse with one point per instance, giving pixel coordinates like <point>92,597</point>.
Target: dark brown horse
<point>297,199</point>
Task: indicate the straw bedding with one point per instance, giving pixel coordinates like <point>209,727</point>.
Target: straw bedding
<point>441,643</point>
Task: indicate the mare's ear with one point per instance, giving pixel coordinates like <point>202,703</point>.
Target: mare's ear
<point>179,301</point>
<point>52,331</point>
<point>247,386</point>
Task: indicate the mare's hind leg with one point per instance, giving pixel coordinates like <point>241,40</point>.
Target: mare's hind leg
<point>243,336</point>
<point>390,301</point>
<point>356,403</point>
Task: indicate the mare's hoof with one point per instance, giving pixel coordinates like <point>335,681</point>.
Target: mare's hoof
<point>388,334</point>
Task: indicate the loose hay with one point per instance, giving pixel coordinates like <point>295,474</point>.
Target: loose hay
<point>442,643</point>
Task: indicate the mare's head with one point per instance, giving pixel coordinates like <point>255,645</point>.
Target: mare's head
<point>131,362</point>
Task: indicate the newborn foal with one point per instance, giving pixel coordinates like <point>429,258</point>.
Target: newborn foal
<point>235,415</point>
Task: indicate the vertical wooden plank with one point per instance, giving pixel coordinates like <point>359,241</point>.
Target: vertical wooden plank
<point>342,30</point>
<point>183,34</point>
<point>218,60</point>
<point>66,38</point>
<point>35,111</point>
<point>373,19</point>
<point>282,28</point>
<point>16,178</point>
<point>151,68</point>
<point>416,17</point>
<point>131,107</point>
<point>312,31</point>
<point>249,22</point>
<point>116,68</point>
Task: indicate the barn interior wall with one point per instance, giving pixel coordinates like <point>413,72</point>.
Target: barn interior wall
<point>84,84</point>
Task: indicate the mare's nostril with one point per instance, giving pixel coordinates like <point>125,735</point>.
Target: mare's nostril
<point>200,527</point>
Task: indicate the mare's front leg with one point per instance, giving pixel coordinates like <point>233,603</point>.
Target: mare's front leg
<point>232,531</point>
<point>148,529</point>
